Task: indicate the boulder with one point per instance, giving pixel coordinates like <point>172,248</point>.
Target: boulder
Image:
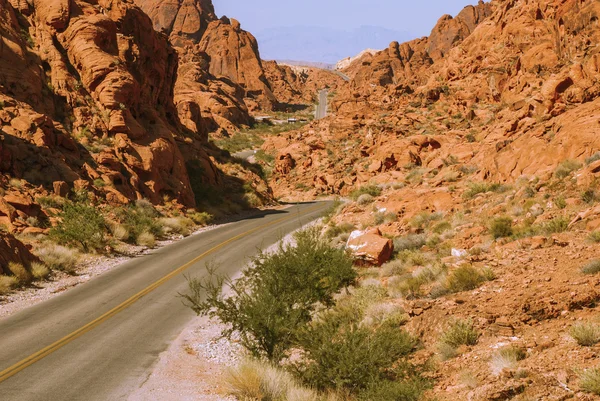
<point>370,247</point>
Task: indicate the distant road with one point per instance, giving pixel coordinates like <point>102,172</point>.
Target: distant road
<point>322,106</point>
<point>245,155</point>
<point>100,340</point>
<point>342,75</point>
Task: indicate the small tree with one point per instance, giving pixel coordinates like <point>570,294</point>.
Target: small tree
<point>276,295</point>
<point>82,225</point>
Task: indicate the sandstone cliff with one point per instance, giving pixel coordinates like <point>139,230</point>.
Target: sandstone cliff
<point>488,93</point>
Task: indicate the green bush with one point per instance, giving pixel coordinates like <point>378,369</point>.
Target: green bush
<point>501,227</point>
<point>460,332</point>
<point>595,236</point>
<point>556,225</point>
<point>590,381</point>
<point>82,226</point>
<point>586,334</point>
<point>341,354</point>
<point>465,278</point>
<point>277,295</point>
<point>407,390</point>
<point>477,188</point>
<point>371,190</point>
<point>409,242</point>
<point>566,168</point>
<point>592,267</point>
<point>139,220</point>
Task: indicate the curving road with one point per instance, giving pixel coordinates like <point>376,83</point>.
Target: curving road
<point>322,106</point>
<point>99,341</point>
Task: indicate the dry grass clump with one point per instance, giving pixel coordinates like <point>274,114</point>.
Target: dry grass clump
<point>586,334</point>
<point>23,276</point>
<point>201,218</point>
<point>365,199</point>
<point>595,237</point>
<point>146,239</point>
<point>409,242</point>
<point>566,168</point>
<point>506,358</point>
<point>590,380</point>
<point>39,271</point>
<point>467,278</point>
<point>458,333</point>
<point>119,232</point>
<point>380,313</point>
<point>501,227</point>
<point>176,225</point>
<point>253,380</point>
<point>58,257</point>
<point>392,268</point>
<point>8,283</point>
<point>592,267</point>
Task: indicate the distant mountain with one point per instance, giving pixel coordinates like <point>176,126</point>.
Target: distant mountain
<point>325,45</point>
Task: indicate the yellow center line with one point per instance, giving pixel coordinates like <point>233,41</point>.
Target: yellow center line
<point>19,366</point>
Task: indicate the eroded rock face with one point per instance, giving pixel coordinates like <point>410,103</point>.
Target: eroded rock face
<point>504,90</point>
<point>103,74</point>
<point>13,251</point>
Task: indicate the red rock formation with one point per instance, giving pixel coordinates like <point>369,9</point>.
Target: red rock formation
<point>13,251</point>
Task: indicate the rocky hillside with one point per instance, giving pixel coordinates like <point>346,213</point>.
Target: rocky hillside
<point>477,151</point>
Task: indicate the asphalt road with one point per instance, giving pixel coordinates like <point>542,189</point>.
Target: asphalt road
<point>322,106</point>
<point>99,340</point>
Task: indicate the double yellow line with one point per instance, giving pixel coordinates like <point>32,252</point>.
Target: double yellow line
<point>19,366</point>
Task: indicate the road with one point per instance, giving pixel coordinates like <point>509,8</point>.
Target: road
<point>322,106</point>
<point>99,341</point>
<point>245,154</point>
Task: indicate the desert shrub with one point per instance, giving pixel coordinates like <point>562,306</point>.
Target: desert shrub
<point>371,190</point>
<point>119,231</point>
<point>594,236</point>
<point>51,201</point>
<point>592,267</point>
<point>146,239</point>
<point>58,257</point>
<point>82,226</point>
<point>560,202</point>
<point>39,271</point>
<point>506,358</point>
<point>589,380</point>
<point>459,332</point>
<point>465,278</point>
<point>556,225</point>
<point>201,218</point>
<point>276,295</point>
<point>477,188</point>
<point>380,313</point>
<point>139,219</point>
<point>386,390</point>
<point>8,283</point>
<point>442,227</point>
<point>424,219</point>
<point>501,227</point>
<point>589,196</point>
<point>392,268</point>
<point>23,275</point>
<point>255,380</point>
<point>566,168</point>
<point>176,225</point>
<point>593,158</point>
<point>339,353</point>
<point>409,242</point>
<point>335,230</point>
<point>586,334</point>
<point>365,199</point>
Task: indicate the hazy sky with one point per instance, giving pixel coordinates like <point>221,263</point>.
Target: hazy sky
<point>414,16</point>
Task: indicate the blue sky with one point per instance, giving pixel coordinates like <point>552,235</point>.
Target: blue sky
<point>414,16</point>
